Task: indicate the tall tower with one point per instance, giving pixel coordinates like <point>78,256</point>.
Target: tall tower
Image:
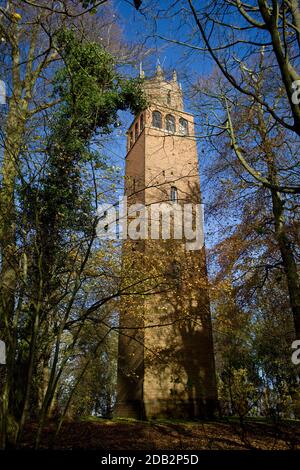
<point>166,361</point>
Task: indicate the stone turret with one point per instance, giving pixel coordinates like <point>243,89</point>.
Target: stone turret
<point>164,92</point>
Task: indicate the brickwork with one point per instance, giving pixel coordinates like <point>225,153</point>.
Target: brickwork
<point>166,367</point>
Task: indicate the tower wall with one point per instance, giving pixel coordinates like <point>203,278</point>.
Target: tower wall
<point>166,365</point>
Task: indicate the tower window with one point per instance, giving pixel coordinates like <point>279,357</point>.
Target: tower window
<point>183,126</point>
<point>142,122</point>
<point>174,194</point>
<point>156,119</point>
<point>169,98</point>
<point>175,272</point>
<point>131,139</point>
<point>136,130</point>
<point>170,123</point>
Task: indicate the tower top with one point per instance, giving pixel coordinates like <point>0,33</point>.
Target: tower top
<point>159,72</point>
<point>164,92</point>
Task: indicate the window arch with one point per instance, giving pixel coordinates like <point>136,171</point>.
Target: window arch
<point>169,98</point>
<point>183,126</point>
<point>142,124</point>
<point>173,194</point>
<point>136,131</point>
<point>174,273</point>
<point>156,119</point>
<point>170,123</point>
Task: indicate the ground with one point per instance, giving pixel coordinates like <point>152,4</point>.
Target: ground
<point>94,433</point>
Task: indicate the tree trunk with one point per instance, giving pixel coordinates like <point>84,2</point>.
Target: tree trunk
<point>14,133</point>
<point>282,237</point>
<point>288,259</point>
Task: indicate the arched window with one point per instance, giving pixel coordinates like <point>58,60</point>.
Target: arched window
<point>170,123</point>
<point>174,194</point>
<point>130,139</point>
<point>142,122</point>
<point>169,98</point>
<point>173,273</point>
<point>183,126</point>
<point>156,119</point>
<point>136,130</point>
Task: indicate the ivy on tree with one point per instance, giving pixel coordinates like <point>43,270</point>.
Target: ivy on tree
<point>92,93</point>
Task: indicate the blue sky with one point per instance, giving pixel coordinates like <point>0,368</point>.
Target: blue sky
<point>138,28</point>
<point>150,30</point>
<point>190,65</point>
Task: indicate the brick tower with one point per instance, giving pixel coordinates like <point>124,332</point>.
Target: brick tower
<point>166,361</point>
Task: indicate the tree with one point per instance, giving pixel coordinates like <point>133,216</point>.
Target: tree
<point>247,262</point>
<point>48,191</point>
<point>265,158</point>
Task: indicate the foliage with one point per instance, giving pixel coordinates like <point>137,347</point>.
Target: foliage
<point>64,275</point>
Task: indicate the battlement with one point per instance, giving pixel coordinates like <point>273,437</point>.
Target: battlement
<point>164,92</point>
